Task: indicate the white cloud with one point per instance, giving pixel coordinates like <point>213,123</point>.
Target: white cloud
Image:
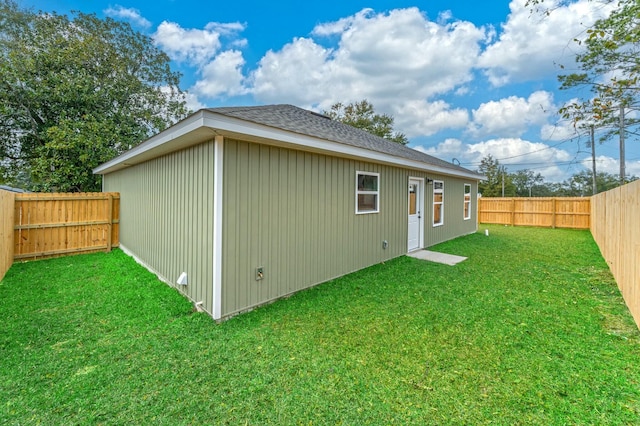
<point>399,61</point>
<point>195,46</point>
<point>128,14</point>
<point>632,168</point>
<point>449,148</point>
<point>532,45</point>
<point>222,76</point>
<point>225,28</point>
<point>191,45</point>
<point>519,151</point>
<point>299,74</point>
<point>612,165</point>
<point>514,153</point>
<point>218,70</point>
<point>341,25</point>
<point>422,118</point>
<point>512,116</point>
<point>193,103</point>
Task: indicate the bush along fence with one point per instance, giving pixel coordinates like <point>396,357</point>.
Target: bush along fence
<point>565,212</point>
<point>616,229</point>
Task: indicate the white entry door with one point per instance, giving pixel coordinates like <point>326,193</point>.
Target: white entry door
<point>416,204</point>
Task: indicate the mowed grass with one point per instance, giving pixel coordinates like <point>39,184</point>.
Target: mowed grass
<point>531,329</point>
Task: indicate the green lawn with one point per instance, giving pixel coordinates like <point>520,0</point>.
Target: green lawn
<point>529,330</point>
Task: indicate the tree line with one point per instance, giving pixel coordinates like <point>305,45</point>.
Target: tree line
<point>527,183</point>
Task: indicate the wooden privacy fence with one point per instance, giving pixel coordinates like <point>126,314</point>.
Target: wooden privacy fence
<point>616,229</point>
<point>565,212</point>
<point>47,225</point>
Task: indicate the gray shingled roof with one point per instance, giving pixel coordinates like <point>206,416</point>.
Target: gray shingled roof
<point>298,120</point>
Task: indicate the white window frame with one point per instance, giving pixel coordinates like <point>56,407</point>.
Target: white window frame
<point>440,203</point>
<point>466,201</point>
<point>362,192</point>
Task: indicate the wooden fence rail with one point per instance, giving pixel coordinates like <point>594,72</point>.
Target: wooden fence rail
<point>47,225</point>
<point>565,212</point>
<point>616,229</point>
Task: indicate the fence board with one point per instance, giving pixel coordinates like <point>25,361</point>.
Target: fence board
<point>570,212</point>
<point>47,225</point>
<point>615,229</point>
<point>6,231</point>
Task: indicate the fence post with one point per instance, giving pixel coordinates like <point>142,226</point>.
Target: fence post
<point>7,212</point>
<point>553,212</point>
<point>110,220</point>
<point>513,212</point>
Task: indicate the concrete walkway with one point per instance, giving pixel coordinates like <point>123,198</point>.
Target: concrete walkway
<point>432,256</point>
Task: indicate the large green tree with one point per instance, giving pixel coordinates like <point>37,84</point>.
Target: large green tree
<point>74,92</point>
<point>497,178</point>
<point>363,116</point>
<point>579,185</point>
<point>524,181</point>
<point>581,182</point>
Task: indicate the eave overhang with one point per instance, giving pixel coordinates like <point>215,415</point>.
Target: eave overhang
<point>204,125</point>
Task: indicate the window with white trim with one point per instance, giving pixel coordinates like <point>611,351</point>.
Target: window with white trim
<point>367,192</point>
<point>438,202</point>
<point>467,201</point>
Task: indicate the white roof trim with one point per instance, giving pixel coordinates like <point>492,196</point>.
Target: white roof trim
<point>220,124</point>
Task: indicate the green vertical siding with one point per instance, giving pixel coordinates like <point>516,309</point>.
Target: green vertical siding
<point>293,213</point>
<point>166,216</point>
<point>454,224</point>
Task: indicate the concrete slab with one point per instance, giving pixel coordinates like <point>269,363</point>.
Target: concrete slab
<point>432,256</point>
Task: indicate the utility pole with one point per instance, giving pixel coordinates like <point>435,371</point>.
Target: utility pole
<point>622,171</point>
<point>502,182</point>
<point>593,160</point>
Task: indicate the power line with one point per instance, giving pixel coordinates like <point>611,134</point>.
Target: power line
<point>521,155</point>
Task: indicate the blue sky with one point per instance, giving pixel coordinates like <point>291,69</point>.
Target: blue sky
<point>461,80</point>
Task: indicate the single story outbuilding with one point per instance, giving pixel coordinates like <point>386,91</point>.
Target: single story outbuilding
<point>239,206</point>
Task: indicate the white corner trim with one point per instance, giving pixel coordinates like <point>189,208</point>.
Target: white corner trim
<point>218,152</point>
